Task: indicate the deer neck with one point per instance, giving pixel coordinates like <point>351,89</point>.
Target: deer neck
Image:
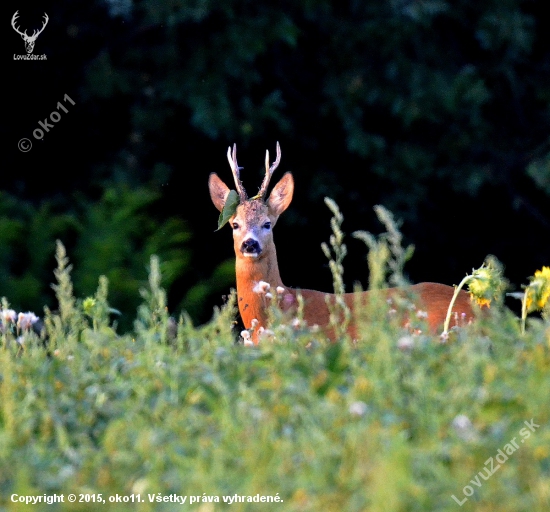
<point>249,272</point>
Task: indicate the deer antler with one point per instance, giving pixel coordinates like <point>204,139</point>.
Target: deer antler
<point>232,159</point>
<point>13,20</point>
<point>269,170</point>
<point>29,40</point>
<point>36,33</point>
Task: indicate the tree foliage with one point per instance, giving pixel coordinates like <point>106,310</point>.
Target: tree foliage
<point>439,110</point>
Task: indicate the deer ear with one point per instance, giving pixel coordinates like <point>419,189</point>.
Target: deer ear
<point>281,195</point>
<point>218,191</point>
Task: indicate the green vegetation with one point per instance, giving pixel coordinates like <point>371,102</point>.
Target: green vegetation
<point>438,110</point>
<point>396,421</point>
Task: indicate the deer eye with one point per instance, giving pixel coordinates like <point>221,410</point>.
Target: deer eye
<point>235,225</point>
<point>267,225</point>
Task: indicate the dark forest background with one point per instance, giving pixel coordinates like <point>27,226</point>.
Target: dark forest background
<point>438,110</point>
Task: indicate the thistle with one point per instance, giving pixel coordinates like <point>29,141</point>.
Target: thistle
<point>536,295</point>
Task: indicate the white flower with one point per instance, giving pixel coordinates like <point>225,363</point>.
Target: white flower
<point>464,428</point>
<point>405,343</point>
<point>462,422</point>
<point>245,335</point>
<point>261,287</point>
<point>280,290</point>
<point>296,323</point>
<point>358,408</point>
<point>26,320</point>
<point>268,295</point>
<point>421,314</point>
<point>254,323</point>
<point>8,315</point>
<point>265,333</point>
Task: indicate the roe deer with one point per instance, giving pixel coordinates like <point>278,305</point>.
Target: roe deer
<point>256,261</point>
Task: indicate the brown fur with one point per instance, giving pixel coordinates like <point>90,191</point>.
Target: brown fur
<point>250,219</point>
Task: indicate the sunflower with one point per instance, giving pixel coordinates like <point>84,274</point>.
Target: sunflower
<point>537,292</point>
<point>486,283</point>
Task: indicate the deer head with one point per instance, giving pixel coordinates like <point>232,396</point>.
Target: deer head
<point>29,40</point>
<point>254,218</point>
<point>256,261</point>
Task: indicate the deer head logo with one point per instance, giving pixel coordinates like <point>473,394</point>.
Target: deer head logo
<point>29,40</point>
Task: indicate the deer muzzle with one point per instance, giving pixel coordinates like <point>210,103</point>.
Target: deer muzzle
<point>251,248</point>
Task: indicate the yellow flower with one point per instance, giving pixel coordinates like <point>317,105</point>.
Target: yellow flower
<point>481,302</point>
<point>537,292</point>
<point>486,283</point>
<point>88,305</point>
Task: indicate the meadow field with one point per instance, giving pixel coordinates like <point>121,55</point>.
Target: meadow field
<point>187,418</point>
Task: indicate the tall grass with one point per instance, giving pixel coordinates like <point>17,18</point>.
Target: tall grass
<point>174,408</point>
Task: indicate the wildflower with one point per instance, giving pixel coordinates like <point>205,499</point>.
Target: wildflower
<point>464,428</point>
<point>26,320</point>
<point>280,290</point>
<point>253,323</point>
<point>405,343</point>
<point>88,305</point>
<point>358,408</point>
<point>247,341</point>
<point>486,282</point>
<point>265,333</point>
<point>537,292</point>
<point>536,295</point>
<point>462,422</point>
<point>261,287</point>
<point>288,300</point>
<point>268,295</point>
<point>8,316</point>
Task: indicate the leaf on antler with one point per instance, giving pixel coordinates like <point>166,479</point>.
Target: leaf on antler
<point>229,208</point>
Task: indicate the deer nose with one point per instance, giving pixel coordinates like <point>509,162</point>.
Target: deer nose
<point>251,246</point>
